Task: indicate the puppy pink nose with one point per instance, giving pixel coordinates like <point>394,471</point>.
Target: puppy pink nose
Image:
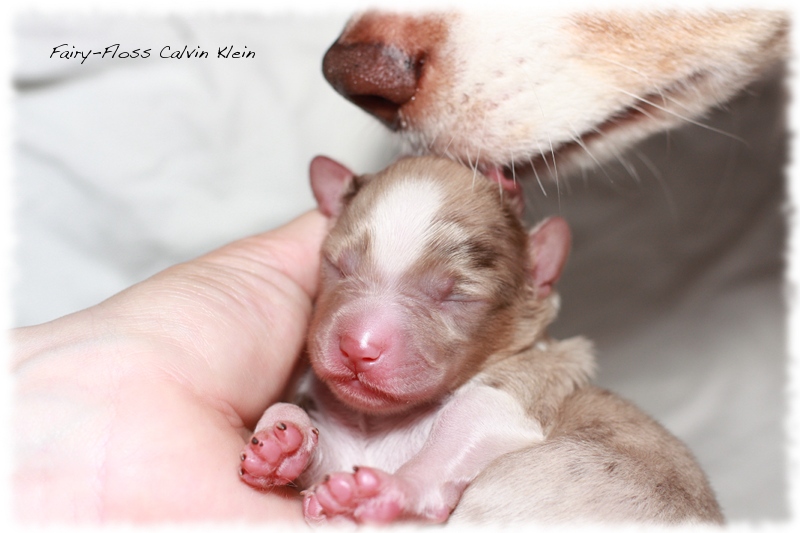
<point>360,352</point>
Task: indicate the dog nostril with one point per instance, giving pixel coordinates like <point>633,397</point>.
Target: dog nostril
<point>385,110</point>
<point>376,77</point>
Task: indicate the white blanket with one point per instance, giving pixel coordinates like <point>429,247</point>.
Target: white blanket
<point>125,166</point>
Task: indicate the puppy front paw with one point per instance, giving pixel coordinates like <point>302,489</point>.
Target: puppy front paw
<point>276,455</point>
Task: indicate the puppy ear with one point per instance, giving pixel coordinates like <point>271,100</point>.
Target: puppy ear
<point>548,245</point>
<point>329,181</point>
<point>510,190</point>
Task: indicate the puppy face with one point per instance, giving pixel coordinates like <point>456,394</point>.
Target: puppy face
<point>423,275</point>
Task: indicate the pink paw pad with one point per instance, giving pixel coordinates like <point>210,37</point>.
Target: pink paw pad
<point>276,455</point>
<point>365,496</point>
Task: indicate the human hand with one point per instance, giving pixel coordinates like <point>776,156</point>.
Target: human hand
<point>136,409</point>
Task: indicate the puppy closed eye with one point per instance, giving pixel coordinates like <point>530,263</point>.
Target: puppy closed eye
<point>330,269</point>
<point>449,290</point>
<point>342,266</point>
<point>457,296</point>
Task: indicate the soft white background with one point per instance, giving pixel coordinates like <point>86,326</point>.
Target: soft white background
<point>123,167</point>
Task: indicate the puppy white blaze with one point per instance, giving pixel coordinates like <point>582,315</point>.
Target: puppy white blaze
<point>401,224</point>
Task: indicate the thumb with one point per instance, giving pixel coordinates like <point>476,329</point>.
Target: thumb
<point>233,321</point>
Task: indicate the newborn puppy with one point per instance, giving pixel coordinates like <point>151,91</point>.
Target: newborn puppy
<point>433,373</point>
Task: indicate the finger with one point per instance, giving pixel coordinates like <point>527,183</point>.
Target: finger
<point>229,324</point>
<point>241,311</point>
<point>292,249</point>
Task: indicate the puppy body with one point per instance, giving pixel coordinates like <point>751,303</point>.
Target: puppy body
<point>433,372</point>
<point>603,461</point>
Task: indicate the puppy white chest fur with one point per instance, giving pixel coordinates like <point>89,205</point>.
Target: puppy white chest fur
<point>490,419</point>
<point>357,439</point>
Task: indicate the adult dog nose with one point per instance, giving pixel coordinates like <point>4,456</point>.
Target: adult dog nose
<point>377,77</point>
